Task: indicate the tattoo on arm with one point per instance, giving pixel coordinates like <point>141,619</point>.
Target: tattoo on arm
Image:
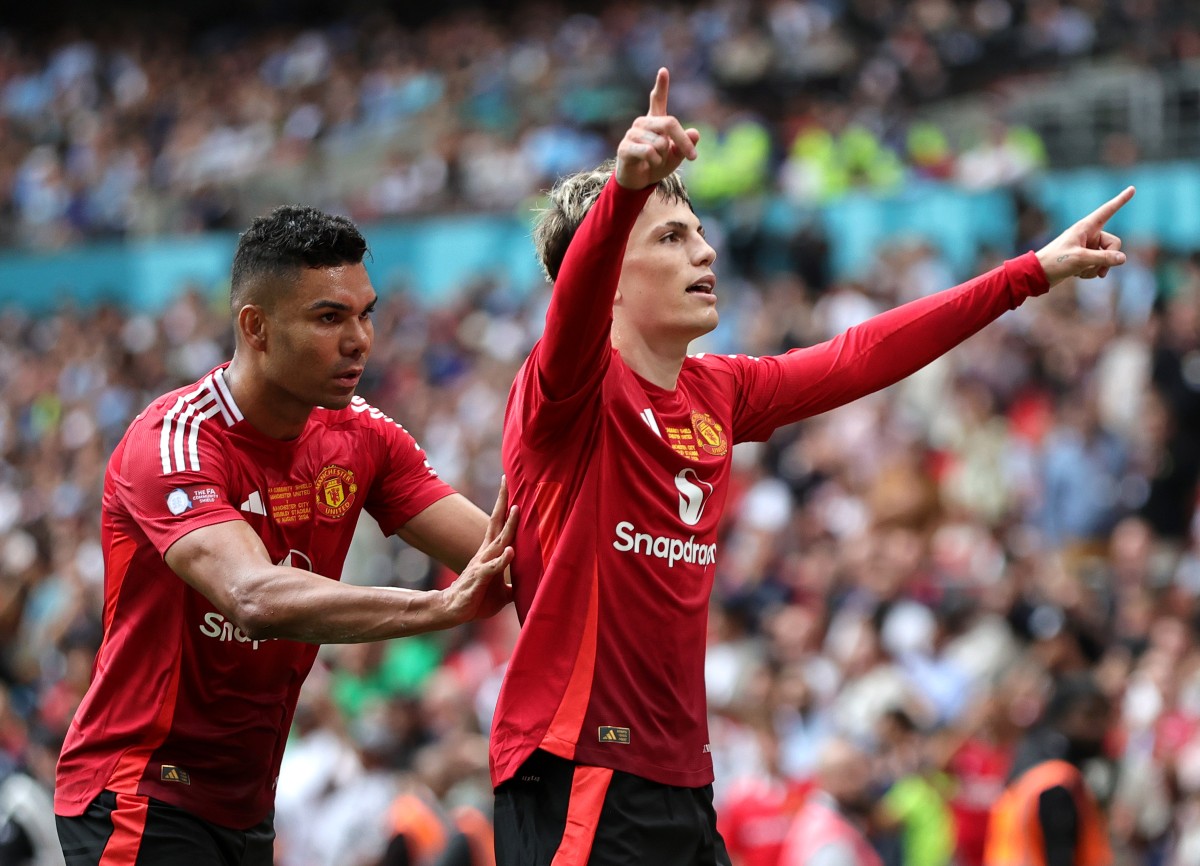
<point>1064,257</point>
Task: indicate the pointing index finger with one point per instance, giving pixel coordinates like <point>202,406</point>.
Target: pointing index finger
<point>1104,213</point>
<point>658,96</point>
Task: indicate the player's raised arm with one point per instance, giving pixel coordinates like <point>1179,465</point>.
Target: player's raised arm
<point>655,144</point>
<point>582,244</point>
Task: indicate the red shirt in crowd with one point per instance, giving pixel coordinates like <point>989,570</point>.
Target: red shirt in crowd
<point>756,816</point>
<point>980,769</point>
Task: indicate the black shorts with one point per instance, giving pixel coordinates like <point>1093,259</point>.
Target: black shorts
<point>128,830</point>
<point>554,811</point>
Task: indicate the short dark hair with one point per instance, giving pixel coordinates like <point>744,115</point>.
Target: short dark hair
<point>276,246</point>
<point>570,200</point>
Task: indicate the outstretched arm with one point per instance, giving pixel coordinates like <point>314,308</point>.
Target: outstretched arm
<point>228,564</point>
<point>895,344</point>
<point>576,338</point>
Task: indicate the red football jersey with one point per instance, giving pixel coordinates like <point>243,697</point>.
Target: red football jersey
<point>621,485</point>
<point>756,816</point>
<point>183,706</point>
<point>979,767</point>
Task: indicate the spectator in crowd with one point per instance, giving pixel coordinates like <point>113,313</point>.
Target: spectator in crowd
<point>977,762</point>
<point>760,807</point>
<point>385,112</point>
<point>27,833</point>
<point>831,828</point>
<point>1047,813</point>
<point>914,804</point>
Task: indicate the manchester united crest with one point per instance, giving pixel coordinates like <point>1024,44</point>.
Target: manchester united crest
<point>710,435</point>
<point>335,489</point>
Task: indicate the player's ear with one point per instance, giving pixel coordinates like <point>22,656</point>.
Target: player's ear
<point>252,326</point>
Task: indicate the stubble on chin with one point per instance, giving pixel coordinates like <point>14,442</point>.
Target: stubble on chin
<point>336,403</point>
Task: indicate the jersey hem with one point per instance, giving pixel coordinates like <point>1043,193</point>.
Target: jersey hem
<point>696,778</point>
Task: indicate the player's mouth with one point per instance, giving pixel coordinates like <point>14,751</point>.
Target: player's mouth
<point>706,285</point>
<point>349,379</point>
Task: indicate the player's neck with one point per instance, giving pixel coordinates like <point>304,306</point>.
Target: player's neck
<point>659,363</point>
<point>265,407</point>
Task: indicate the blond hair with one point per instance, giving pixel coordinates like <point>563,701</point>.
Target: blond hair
<point>570,200</point>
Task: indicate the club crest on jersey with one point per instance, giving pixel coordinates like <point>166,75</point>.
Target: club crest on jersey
<point>335,489</point>
<point>710,435</point>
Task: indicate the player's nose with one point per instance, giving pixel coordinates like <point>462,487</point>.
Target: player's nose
<point>703,253</point>
<point>358,337</point>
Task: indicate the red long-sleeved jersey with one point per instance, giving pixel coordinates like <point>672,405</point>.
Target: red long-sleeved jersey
<point>621,485</point>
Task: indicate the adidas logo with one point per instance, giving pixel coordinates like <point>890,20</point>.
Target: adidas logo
<point>171,773</point>
<point>609,734</point>
<point>254,504</point>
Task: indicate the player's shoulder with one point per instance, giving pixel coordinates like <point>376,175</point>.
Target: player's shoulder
<point>359,418</point>
<point>173,428</point>
<point>717,359</point>
<point>704,364</point>
<point>192,406</point>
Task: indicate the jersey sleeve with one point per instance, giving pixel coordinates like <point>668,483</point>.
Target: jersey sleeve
<point>404,484</point>
<point>171,477</point>
<point>569,362</point>
<point>778,390</point>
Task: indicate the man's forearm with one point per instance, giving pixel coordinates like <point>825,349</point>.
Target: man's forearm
<point>292,604</point>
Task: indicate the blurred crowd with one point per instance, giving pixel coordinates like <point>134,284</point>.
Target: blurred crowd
<point>910,573</point>
<point>133,127</point>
